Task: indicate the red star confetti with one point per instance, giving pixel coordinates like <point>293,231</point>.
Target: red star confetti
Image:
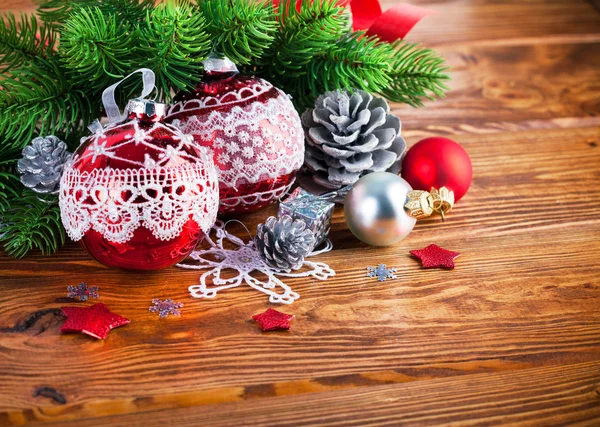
<point>435,257</point>
<point>95,321</point>
<point>273,320</point>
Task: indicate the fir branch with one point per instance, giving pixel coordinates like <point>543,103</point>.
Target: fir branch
<point>401,72</point>
<point>9,182</point>
<point>416,73</point>
<point>58,11</point>
<point>31,223</point>
<point>174,37</point>
<point>40,100</point>
<point>24,41</point>
<point>242,29</point>
<point>305,32</point>
<point>354,61</point>
<point>96,47</point>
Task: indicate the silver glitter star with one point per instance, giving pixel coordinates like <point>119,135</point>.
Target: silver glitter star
<point>381,272</point>
<point>82,292</point>
<point>166,307</point>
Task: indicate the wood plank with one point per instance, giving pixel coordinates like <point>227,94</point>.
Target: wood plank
<point>509,88</point>
<point>567,395</point>
<point>525,295</point>
<point>492,22</point>
<point>509,337</point>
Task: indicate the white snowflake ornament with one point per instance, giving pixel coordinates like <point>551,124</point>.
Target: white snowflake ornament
<point>246,261</point>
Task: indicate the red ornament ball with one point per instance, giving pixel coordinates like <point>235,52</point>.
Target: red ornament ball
<point>438,162</point>
<point>254,132</point>
<point>139,194</point>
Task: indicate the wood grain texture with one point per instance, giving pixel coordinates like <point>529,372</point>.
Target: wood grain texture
<point>543,396</point>
<point>511,336</point>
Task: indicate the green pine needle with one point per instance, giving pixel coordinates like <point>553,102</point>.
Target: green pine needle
<point>41,100</point>
<point>23,41</point>
<point>9,182</point>
<point>417,73</point>
<point>242,29</point>
<point>31,223</point>
<point>96,47</point>
<point>58,11</point>
<point>304,33</point>
<point>174,37</point>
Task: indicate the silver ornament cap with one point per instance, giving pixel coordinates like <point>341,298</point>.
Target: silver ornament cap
<point>146,109</point>
<point>374,209</point>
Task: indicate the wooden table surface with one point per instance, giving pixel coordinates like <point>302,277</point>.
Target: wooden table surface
<point>511,336</point>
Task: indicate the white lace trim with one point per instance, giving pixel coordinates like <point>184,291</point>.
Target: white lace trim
<point>160,197</point>
<point>261,86</point>
<point>255,198</point>
<point>256,142</point>
<point>116,202</point>
<point>245,260</point>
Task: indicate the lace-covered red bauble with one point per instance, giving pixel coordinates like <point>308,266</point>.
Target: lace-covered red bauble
<point>254,132</point>
<point>139,194</point>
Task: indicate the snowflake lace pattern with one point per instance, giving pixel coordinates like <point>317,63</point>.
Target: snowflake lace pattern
<point>270,135</point>
<point>162,198</point>
<point>245,260</point>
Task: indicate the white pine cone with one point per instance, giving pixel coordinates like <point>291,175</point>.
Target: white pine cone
<point>42,164</point>
<point>283,243</point>
<point>351,134</point>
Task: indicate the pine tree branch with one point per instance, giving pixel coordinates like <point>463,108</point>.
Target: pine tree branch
<point>354,61</point>
<point>96,47</point>
<point>241,29</point>
<point>304,33</point>
<point>401,72</point>
<point>31,223</point>
<point>24,41</point>
<point>9,182</point>
<point>41,100</point>
<point>417,73</point>
<point>174,36</point>
<point>56,12</point>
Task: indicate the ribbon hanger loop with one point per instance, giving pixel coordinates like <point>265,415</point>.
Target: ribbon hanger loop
<point>108,96</point>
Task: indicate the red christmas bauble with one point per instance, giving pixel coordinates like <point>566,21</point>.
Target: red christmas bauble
<point>438,162</point>
<point>139,194</point>
<point>254,132</point>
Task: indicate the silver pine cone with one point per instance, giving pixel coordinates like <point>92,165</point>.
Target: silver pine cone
<point>42,164</point>
<point>348,135</point>
<point>283,243</point>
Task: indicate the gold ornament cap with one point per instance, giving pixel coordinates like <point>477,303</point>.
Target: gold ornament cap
<point>422,204</point>
<point>419,204</point>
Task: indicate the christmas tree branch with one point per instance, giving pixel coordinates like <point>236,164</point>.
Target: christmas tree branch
<point>9,182</point>
<point>355,61</point>
<point>42,101</point>
<point>242,29</point>
<point>304,33</point>
<point>31,223</point>
<point>417,73</point>
<point>174,37</point>
<point>96,47</point>
<point>56,12</point>
<point>24,41</point>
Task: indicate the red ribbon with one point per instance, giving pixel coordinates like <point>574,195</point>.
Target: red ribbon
<point>390,26</point>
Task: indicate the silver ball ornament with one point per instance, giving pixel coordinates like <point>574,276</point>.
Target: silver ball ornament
<point>374,209</point>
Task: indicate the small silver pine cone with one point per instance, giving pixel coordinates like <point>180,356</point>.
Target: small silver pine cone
<point>42,164</point>
<point>283,243</point>
<point>348,135</point>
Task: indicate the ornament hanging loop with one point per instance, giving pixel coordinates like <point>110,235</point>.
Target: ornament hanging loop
<point>108,96</point>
